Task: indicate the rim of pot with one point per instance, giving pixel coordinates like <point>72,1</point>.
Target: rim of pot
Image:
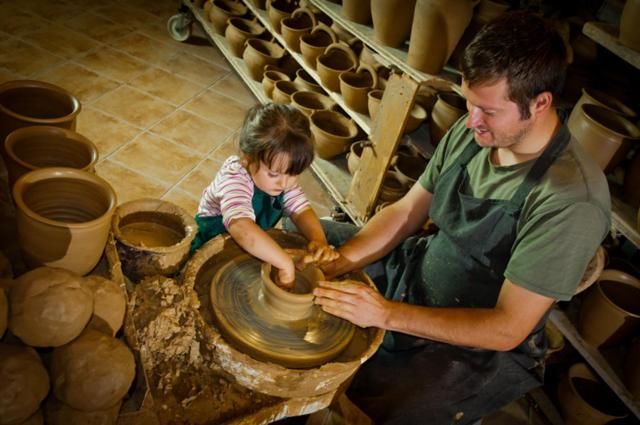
<point>603,117</point>
<point>19,84</point>
<point>622,278</point>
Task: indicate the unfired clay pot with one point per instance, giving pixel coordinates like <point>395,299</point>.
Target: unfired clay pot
<point>354,87</point>
<point>309,102</point>
<point>392,188</point>
<point>333,133</point>
<point>239,31</point>
<point>629,28</point>
<point>358,11</point>
<point>392,20</point>
<point>600,98</point>
<point>152,237</point>
<point>222,10</point>
<point>282,91</point>
<point>305,82</point>
<point>314,44</point>
<point>408,169</point>
<point>354,155</point>
<point>336,59</point>
<point>63,217</point>
<point>259,53</point>
<point>374,97</point>
<point>610,311</point>
<point>277,10</point>
<point>300,22</point>
<point>30,148</point>
<point>448,108</point>
<point>270,78</point>
<point>416,117</point>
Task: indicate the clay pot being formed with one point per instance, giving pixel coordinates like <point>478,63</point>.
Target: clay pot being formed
<point>239,31</point>
<point>259,53</point>
<point>222,10</point>
<point>392,20</point>
<point>610,311</point>
<point>336,59</point>
<point>448,108</point>
<point>354,155</point>
<point>604,134</point>
<point>282,91</point>
<point>300,22</point>
<point>374,97</point>
<point>584,400</point>
<point>305,82</point>
<point>408,169</point>
<point>41,146</point>
<point>269,80</point>
<point>309,102</point>
<point>354,87</point>
<point>314,43</point>
<point>63,217</point>
<point>277,10</point>
<point>629,29</point>
<point>358,11</point>
<point>152,237</point>
<point>333,133</point>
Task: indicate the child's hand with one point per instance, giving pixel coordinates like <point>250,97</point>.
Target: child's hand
<point>287,276</point>
<point>319,253</point>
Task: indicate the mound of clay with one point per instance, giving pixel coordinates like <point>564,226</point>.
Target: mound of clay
<point>93,372</point>
<point>49,307</point>
<point>24,383</point>
<point>58,413</point>
<point>4,312</point>
<point>109,303</point>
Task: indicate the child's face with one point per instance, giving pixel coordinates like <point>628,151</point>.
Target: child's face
<point>272,180</point>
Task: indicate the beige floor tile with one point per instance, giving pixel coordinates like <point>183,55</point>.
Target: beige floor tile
<point>313,189</point>
<point>96,27</point>
<point>123,14</point>
<point>134,106</point>
<point>183,200</point>
<point>157,158</point>
<point>225,150</point>
<point>17,22</point>
<point>202,48</point>
<point>83,83</point>
<point>106,132</point>
<point>232,86</point>
<point>192,131</point>
<point>166,86</point>
<point>113,63</point>
<point>218,108</point>
<point>21,58</point>
<point>200,177</point>
<point>157,29</point>
<point>194,68</point>
<point>61,41</point>
<point>129,184</point>
<point>164,8</point>
<point>56,11</point>
<point>145,48</point>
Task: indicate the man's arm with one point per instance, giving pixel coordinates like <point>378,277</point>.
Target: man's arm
<point>501,328</point>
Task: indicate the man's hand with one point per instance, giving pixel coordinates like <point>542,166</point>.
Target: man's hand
<point>318,253</point>
<point>354,301</point>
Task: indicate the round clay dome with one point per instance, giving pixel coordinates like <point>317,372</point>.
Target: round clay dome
<point>109,304</point>
<point>49,307</point>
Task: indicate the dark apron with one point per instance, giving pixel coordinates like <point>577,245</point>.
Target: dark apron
<point>268,210</point>
<point>412,380</point>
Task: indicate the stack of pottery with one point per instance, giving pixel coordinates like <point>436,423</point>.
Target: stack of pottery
<point>300,22</point>
<point>448,108</point>
<point>309,102</point>
<point>629,29</point>
<point>333,133</point>
<point>358,11</point>
<point>239,31</point>
<point>336,59</point>
<point>259,53</point>
<point>392,20</point>
<point>222,10</point>
<point>282,91</point>
<point>270,77</point>
<point>355,86</point>
<point>314,44</point>
<point>277,10</point>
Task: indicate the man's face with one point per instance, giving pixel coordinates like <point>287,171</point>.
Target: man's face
<point>494,118</point>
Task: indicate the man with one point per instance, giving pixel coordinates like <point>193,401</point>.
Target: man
<point>520,209</point>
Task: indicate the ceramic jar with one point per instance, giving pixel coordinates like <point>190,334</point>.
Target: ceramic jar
<point>282,91</point>
<point>63,217</point>
<point>238,31</point>
<point>277,10</point>
<point>30,148</point>
<point>300,22</point>
<point>314,44</point>
<point>305,82</point>
<point>222,10</point>
<point>270,78</point>
<point>446,111</point>
<point>392,20</point>
<point>336,59</point>
<point>358,11</point>
<point>259,53</point>
<point>309,102</point>
<point>629,28</point>
<point>333,133</point>
<point>354,87</point>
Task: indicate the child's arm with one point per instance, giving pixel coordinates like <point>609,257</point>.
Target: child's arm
<point>309,225</point>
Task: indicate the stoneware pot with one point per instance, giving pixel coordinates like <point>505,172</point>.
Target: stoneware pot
<point>606,135</point>
<point>631,374</point>
<point>277,10</point>
<point>584,400</point>
<point>222,10</point>
<point>239,31</point>
<point>629,28</point>
<point>305,82</point>
<point>309,102</point>
<point>282,91</point>
<point>358,11</point>
<point>333,133</point>
<point>374,97</point>
<point>42,146</point>
<point>314,44</point>
<point>600,98</point>
<point>610,310</point>
<point>354,87</point>
<point>392,20</point>
<point>259,53</point>
<point>152,237</point>
<point>392,188</point>
<point>270,78</point>
<point>300,22</point>
<point>354,155</point>
<point>63,217</point>
<point>336,59</point>
<point>448,108</point>
<point>408,169</point>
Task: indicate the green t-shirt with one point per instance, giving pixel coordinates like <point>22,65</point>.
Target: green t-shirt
<point>564,218</point>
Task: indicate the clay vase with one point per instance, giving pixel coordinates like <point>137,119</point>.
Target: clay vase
<point>631,374</point>
<point>437,27</point>
<point>270,78</point>
<point>358,11</point>
<point>222,10</point>
<point>305,82</point>
<point>354,155</point>
<point>314,44</point>
<point>153,237</point>
<point>63,218</point>
<point>600,98</point>
<point>333,133</point>
<point>309,102</point>
<point>448,108</point>
<point>392,20</point>
<point>259,53</point>
<point>374,97</point>
<point>610,310</point>
<point>238,31</point>
<point>392,188</point>
<point>336,59</point>
<point>408,169</point>
<point>604,134</point>
<point>584,400</point>
<point>300,22</point>
<point>24,103</point>
<point>629,28</point>
<point>355,86</point>
<point>277,10</point>
<point>282,91</point>
<point>42,146</point>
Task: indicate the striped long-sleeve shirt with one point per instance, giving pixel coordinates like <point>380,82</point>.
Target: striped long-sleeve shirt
<point>231,192</point>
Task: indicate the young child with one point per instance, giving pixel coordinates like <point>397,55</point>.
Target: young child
<point>252,191</point>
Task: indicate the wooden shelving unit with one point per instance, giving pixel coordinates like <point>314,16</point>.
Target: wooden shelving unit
<point>607,36</point>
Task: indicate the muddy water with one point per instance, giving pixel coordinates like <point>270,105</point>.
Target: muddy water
<point>150,234</point>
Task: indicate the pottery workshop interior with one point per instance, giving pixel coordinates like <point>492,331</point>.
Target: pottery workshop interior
<point>321,212</point>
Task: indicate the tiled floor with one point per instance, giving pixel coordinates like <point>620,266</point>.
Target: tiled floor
<point>163,114</point>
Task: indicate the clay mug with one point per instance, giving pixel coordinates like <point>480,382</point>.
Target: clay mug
<point>408,168</point>
<point>305,82</point>
<point>354,155</point>
<point>333,133</point>
<point>629,28</point>
<point>358,11</point>
<point>282,91</point>
<point>308,102</point>
<point>314,43</point>
<point>239,31</point>
<point>300,22</point>
<point>277,10</point>
<point>258,53</point>
<point>222,10</point>
<point>30,148</point>
<point>336,59</point>
<point>354,87</point>
<point>448,108</point>
<point>63,217</point>
<point>374,97</point>
<point>270,78</point>
<point>392,20</point>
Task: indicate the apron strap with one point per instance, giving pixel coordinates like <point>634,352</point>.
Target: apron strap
<point>467,154</point>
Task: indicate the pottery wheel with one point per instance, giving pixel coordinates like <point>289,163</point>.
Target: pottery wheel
<point>245,320</point>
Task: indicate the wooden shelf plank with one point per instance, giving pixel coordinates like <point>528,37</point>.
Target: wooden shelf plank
<point>593,356</point>
<point>607,36</point>
<point>624,221</point>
